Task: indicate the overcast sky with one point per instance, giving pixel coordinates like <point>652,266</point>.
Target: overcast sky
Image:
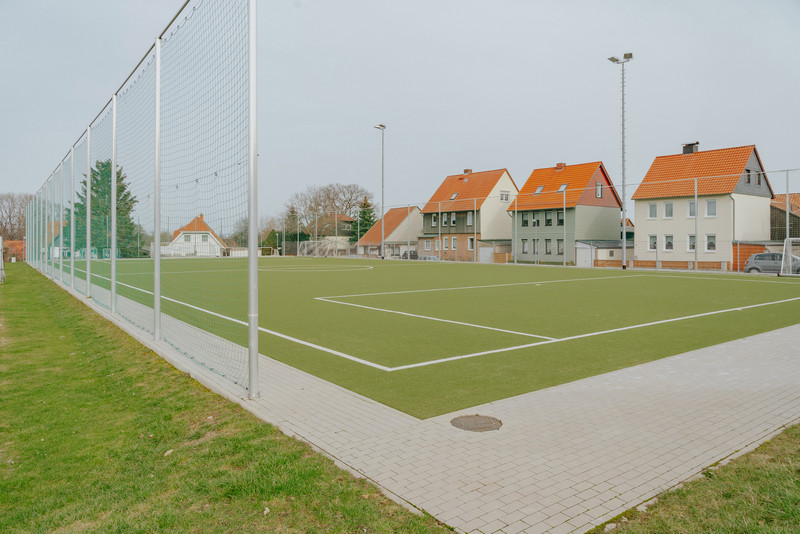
<point>480,84</point>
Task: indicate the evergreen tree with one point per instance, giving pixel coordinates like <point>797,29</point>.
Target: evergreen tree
<point>366,219</point>
<point>100,189</point>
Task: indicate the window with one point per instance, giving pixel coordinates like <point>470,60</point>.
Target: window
<point>453,219</point>
<point>470,243</point>
<point>548,246</point>
<point>598,190</point>
<point>692,209</point>
<point>758,178</point>
<point>504,196</point>
<point>535,246</point>
<point>427,244</point>
<point>560,246</point>
<point>653,210</point>
<point>562,188</point>
<point>205,238</point>
<point>711,242</point>
<point>469,218</point>
<point>669,242</point>
<point>691,243</point>
<point>436,245</point>
<point>560,217</point>
<point>525,216</point>
<point>651,242</point>
<point>434,218</point>
<point>711,208</point>
<point>454,243</point>
<point>667,210</point>
<point>535,216</point>
<point>539,190</point>
<point>747,176</point>
<point>446,243</point>
<point>548,218</point>
<point>610,253</point>
<point>454,196</point>
<point>524,246</point>
<point>187,238</point>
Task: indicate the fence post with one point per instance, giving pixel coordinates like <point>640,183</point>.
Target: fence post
<point>252,204</point>
<point>114,203</point>
<point>72,217</point>
<point>61,223</point>
<point>89,212</point>
<point>788,211</point>
<point>696,217</point>
<point>157,197</point>
<point>474,230</point>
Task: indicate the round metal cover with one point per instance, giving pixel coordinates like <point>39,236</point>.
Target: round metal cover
<point>476,423</point>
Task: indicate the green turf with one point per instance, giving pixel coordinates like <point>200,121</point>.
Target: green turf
<point>98,434</point>
<point>544,301</point>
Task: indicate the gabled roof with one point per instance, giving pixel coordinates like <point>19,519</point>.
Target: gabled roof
<point>673,176</point>
<point>551,179</point>
<point>794,203</point>
<point>197,225</point>
<point>470,190</point>
<point>391,220</point>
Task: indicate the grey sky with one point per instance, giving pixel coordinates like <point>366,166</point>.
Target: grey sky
<point>459,83</point>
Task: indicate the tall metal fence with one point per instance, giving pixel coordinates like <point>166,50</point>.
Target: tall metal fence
<point>152,212</point>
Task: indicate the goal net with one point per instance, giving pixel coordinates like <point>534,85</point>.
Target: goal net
<point>790,263</point>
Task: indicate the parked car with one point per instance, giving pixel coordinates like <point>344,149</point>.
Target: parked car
<point>769,262</point>
<point>428,258</point>
<point>413,255</point>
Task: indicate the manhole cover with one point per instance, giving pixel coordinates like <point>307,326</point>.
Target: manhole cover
<point>476,423</point>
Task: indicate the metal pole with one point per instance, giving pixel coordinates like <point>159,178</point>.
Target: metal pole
<point>283,242</point>
<point>696,216</point>
<point>61,225</point>
<point>624,211</point>
<point>252,203</point>
<point>89,212</point>
<point>514,233</point>
<point>51,226</point>
<point>156,252</point>
<point>336,229</point>
<point>72,216</point>
<point>408,231</point>
<point>564,213</point>
<point>788,225</point>
<point>383,201</point>
<point>439,224</point>
<point>474,230</point>
<point>316,235</point>
<point>113,184</point>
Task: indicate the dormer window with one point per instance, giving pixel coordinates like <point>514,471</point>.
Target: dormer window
<point>562,188</point>
<point>454,196</point>
<point>539,189</point>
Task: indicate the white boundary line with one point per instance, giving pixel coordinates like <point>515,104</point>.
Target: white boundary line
<point>464,356</point>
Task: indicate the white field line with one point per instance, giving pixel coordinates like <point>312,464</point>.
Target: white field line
<point>480,287</point>
<point>720,279</point>
<point>262,329</point>
<point>323,299</point>
<point>591,334</point>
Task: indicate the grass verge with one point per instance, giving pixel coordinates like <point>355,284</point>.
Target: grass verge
<point>99,434</point>
<point>755,493</point>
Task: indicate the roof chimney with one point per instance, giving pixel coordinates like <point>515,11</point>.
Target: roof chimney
<point>690,148</point>
<point>467,171</point>
<point>560,166</point>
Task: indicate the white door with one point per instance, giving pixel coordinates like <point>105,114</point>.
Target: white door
<point>486,254</point>
<point>584,257</point>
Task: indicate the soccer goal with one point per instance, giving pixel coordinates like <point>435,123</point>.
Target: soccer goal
<point>790,263</point>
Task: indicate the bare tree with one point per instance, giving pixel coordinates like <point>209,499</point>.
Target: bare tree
<point>319,204</point>
<point>12,215</point>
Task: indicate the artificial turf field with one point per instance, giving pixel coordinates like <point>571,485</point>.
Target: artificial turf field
<point>429,338</point>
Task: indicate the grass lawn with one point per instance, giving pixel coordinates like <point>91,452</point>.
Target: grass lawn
<point>495,330</point>
<point>98,434</point>
<point>756,493</point>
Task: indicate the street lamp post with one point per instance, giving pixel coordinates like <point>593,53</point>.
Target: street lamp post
<point>625,58</point>
<point>382,128</point>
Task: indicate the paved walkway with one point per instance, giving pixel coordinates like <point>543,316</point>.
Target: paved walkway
<point>566,458</point>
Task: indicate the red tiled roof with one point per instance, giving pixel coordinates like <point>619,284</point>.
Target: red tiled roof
<point>197,225</point>
<point>471,188</point>
<point>576,178</point>
<point>673,176</point>
<point>794,203</point>
<point>391,220</point>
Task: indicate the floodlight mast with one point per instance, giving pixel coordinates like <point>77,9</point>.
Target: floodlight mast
<point>613,59</point>
<point>382,128</point>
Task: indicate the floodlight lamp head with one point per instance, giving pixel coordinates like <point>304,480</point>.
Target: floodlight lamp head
<point>380,127</point>
<point>613,59</point>
<point>628,55</point>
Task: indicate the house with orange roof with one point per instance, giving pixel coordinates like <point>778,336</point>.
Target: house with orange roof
<point>697,206</point>
<point>778,216</point>
<point>560,206</point>
<point>195,239</point>
<point>466,219</point>
<point>401,227</point>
